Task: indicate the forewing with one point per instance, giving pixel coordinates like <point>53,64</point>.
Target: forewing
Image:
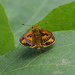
<point>23,42</point>
<point>49,42</point>
<point>45,35</point>
<point>28,37</point>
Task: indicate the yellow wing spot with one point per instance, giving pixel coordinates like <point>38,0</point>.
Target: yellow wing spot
<point>23,41</point>
<point>51,40</point>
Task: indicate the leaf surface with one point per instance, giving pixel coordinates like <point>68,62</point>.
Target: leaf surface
<point>58,59</point>
<point>61,18</point>
<point>6,36</point>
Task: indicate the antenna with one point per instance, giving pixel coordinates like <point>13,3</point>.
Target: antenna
<point>32,25</point>
<point>26,25</point>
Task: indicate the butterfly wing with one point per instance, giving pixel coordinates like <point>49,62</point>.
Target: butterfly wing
<point>24,42</point>
<point>49,42</point>
<point>28,37</point>
<point>45,35</point>
<point>47,38</point>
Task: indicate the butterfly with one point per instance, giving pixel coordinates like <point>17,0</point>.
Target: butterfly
<point>37,37</point>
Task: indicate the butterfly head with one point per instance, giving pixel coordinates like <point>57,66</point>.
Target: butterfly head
<point>35,27</point>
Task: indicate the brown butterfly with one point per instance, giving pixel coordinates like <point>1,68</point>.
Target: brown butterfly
<point>37,37</point>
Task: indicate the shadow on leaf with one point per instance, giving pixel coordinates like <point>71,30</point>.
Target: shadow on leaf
<point>33,52</point>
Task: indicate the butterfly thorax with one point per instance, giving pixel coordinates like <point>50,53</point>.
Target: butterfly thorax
<point>36,35</point>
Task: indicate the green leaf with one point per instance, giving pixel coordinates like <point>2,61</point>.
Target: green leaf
<point>58,59</point>
<point>28,12</point>
<point>6,36</point>
<point>61,18</point>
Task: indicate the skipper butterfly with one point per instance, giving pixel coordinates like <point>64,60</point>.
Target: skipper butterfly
<point>37,37</point>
